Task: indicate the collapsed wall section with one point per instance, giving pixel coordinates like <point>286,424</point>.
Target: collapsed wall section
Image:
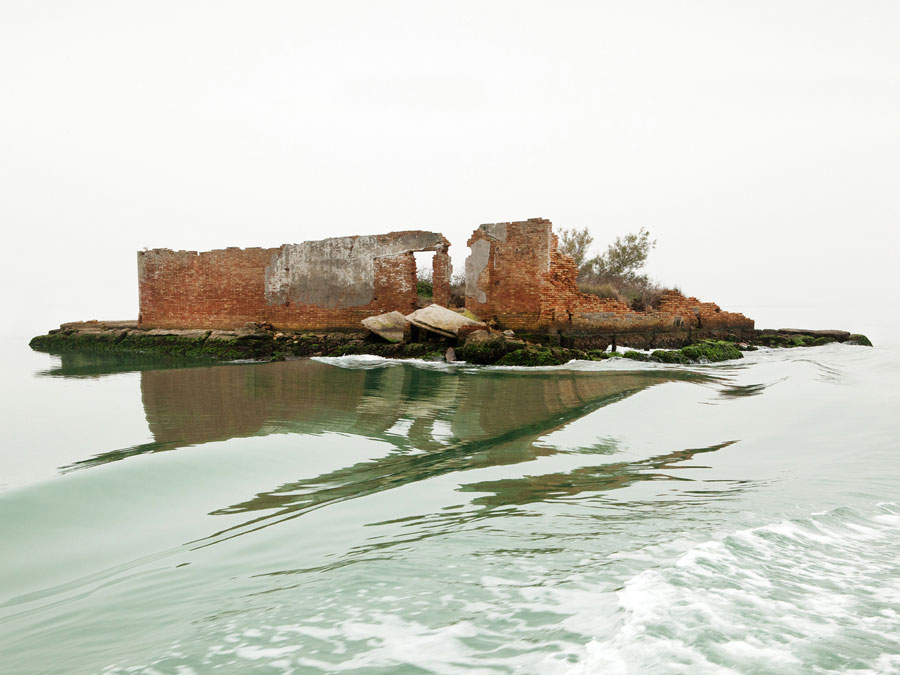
<point>319,285</point>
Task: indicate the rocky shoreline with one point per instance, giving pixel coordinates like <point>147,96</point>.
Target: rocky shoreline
<point>260,342</point>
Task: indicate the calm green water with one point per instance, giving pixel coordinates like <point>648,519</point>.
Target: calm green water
<point>363,516</point>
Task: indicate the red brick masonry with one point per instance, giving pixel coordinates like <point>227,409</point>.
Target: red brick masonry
<point>515,276</point>
<point>226,288</point>
<point>522,281</point>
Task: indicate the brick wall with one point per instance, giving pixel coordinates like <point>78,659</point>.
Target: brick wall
<point>440,277</point>
<point>522,281</point>
<point>515,276</point>
<point>512,278</point>
<point>224,289</point>
<point>216,289</point>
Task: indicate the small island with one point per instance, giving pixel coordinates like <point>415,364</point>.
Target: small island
<point>519,304</point>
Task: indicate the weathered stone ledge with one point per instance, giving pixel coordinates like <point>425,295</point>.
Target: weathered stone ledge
<point>261,343</point>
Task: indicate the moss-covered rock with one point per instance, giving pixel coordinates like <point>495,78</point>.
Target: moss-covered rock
<point>413,350</point>
<point>710,351</point>
<point>66,341</point>
<point>483,348</point>
<point>535,357</point>
<point>793,340</point>
<point>773,340</point>
<point>197,346</point>
<point>670,356</point>
<point>706,351</point>
<point>816,339</point>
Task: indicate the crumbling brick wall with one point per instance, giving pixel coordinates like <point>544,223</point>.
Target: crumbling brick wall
<point>505,272</point>
<point>516,276</point>
<point>328,285</point>
<point>440,277</point>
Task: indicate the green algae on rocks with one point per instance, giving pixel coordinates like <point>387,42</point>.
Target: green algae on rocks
<point>706,351</point>
<point>535,357</point>
<point>859,339</point>
<point>263,343</point>
<point>247,344</point>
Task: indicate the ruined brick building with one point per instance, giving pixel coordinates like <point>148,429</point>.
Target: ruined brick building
<point>330,284</point>
<point>515,276</point>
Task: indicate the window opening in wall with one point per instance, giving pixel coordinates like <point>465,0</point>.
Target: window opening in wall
<point>424,285</point>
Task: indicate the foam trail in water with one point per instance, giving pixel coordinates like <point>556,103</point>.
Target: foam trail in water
<point>371,361</point>
<point>816,595</point>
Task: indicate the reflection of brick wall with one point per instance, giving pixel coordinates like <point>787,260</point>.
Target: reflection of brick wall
<point>198,405</point>
<point>528,284</point>
<point>225,289</point>
<point>192,406</point>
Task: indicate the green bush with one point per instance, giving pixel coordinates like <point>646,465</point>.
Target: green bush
<point>425,288</point>
<point>602,290</point>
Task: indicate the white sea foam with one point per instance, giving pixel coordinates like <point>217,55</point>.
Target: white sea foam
<point>813,595</point>
<point>366,361</point>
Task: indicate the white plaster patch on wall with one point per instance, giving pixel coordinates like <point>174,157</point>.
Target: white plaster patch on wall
<point>545,253</point>
<point>475,264</point>
<point>337,272</point>
<point>495,230</point>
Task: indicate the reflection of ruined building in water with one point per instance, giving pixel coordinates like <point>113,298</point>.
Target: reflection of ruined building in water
<point>198,405</point>
<point>515,276</point>
<point>426,422</point>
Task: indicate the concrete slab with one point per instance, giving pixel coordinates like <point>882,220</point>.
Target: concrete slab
<point>392,326</point>
<point>441,320</point>
<point>839,335</point>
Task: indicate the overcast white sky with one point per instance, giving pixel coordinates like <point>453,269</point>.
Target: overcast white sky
<point>759,142</point>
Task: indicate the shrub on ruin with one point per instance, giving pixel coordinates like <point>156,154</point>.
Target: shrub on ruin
<point>458,289</point>
<point>643,298</point>
<point>602,290</point>
<point>624,258</point>
<point>576,244</point>
<point>424,289</point>
<point>424,286</point>
<point>615,273</point>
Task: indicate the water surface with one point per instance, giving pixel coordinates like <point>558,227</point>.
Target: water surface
<point>366,516</point>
